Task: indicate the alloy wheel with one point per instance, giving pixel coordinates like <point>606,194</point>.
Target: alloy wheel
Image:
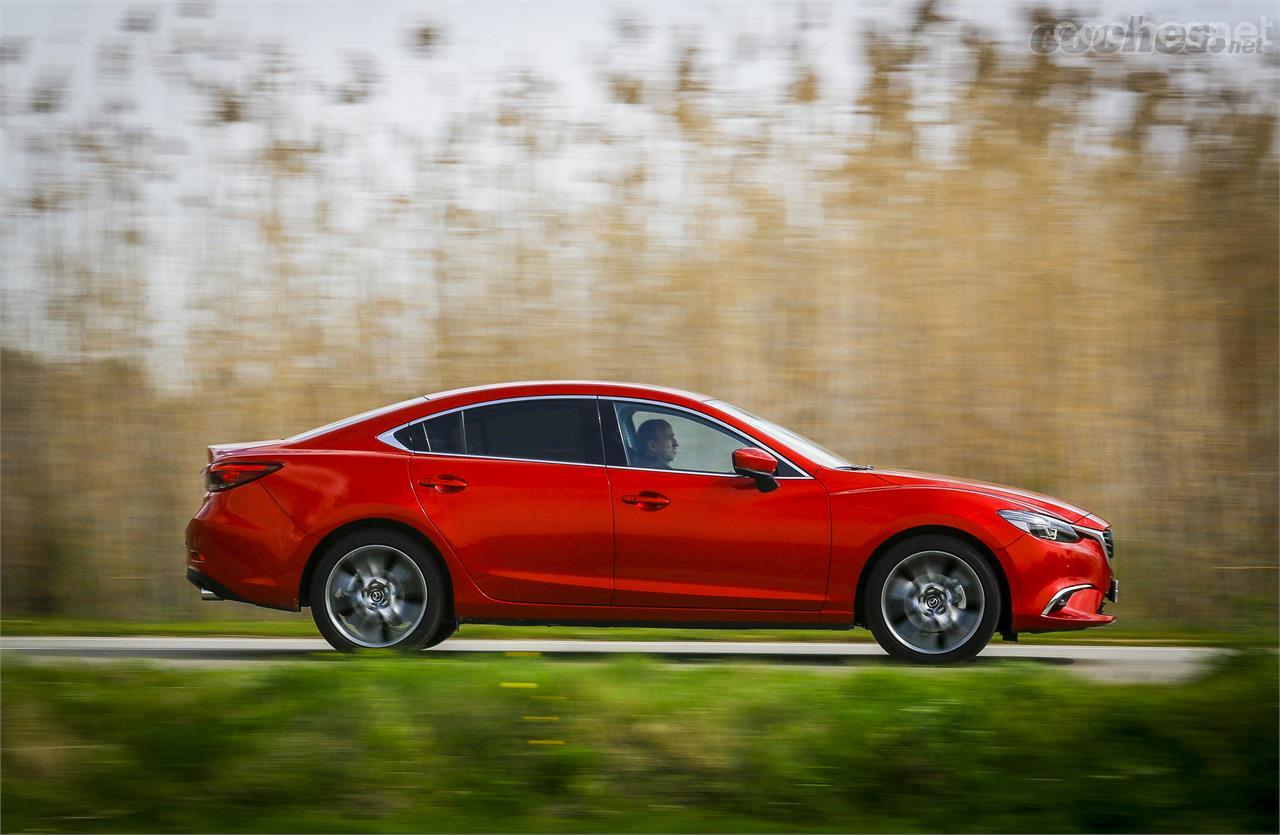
<point>375,596</point>
<point>932,602</point>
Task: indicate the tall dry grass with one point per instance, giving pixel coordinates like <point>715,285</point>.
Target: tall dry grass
<point>1056,273</point>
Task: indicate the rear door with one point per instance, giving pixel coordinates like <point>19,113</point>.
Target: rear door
<point>519,490</point>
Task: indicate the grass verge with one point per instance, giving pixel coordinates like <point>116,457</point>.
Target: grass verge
<point>380,744</point>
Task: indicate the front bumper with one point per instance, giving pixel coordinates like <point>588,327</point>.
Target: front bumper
<point>1060,585</point>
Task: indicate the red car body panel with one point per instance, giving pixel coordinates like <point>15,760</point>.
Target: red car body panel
<point>1025,497</point>
<point>526,531</point>
<point>527,541</point>
<point>248,544</point>
<point>720,543</point>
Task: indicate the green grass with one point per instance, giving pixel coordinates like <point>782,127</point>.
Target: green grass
<point>381,744</point>
<point>300,626</point>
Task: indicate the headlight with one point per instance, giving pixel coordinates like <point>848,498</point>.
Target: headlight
<point>1038,524</point>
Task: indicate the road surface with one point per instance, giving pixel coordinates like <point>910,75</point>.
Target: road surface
<point>1105,663</point>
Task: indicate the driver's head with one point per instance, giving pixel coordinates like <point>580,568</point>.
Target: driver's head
<point>656,439</point>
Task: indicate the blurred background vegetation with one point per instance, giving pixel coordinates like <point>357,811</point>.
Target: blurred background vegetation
<point>1050,271</point>
<point>431,744</point>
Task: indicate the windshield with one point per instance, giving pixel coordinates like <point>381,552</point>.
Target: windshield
<point>338,424</point>
<point>810,449</point>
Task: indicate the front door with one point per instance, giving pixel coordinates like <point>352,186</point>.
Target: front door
<point>689,533</point>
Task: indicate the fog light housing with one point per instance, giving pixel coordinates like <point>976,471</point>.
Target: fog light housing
<point>1060,600</point>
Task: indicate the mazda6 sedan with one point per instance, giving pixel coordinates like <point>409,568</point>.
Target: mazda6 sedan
<point>609,504</point>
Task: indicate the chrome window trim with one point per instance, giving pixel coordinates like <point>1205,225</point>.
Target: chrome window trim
<point>388,437</point>
<point>499,458</point>
<point>1067,592</point>
<point>752,419</point>
<point>732,430</point>
<point>496,402</point>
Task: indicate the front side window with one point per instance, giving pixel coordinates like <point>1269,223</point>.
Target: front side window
<point>811,449</point>
<point>551,429</point>
<point>657,438</point>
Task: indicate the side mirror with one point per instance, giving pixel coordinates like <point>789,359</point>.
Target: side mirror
<point>757,464</point>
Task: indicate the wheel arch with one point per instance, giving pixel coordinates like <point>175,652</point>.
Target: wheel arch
<point>1003,623</point>
<point>308,571</point>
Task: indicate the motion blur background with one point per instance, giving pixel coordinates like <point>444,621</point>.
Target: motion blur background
<point>897,229</point>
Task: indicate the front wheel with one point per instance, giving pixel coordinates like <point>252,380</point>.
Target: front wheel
<point>932,600</point>
<point>378,589</point>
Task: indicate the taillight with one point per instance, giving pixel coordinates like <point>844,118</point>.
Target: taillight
<point>230,474</point>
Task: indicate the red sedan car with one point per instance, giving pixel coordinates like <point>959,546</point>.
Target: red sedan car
<point>610,504</point>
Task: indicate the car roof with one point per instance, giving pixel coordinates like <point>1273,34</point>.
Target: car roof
<point>356,429</point>
<point>525,388</point>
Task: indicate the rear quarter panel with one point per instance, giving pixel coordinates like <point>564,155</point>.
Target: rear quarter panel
<point>323,490</point>
<point>242,539</point>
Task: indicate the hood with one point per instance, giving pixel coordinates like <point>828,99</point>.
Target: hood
<point>1026,498</point>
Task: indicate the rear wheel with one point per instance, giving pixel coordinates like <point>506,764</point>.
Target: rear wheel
<point>378,589</point>
<point>932,600</point>
<point>444,633</point>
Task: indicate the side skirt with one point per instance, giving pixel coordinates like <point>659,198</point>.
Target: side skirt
<point>654,624</point>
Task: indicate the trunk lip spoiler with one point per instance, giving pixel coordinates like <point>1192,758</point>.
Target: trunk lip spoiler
<point>217,451</point>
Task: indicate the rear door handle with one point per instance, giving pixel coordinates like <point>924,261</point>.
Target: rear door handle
<point>445,483</point>
<point>646,500</point>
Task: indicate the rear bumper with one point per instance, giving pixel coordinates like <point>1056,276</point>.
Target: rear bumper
<point>221,592</point>
<point>241,546</point>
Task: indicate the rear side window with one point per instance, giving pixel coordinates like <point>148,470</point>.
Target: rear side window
<point>444,434</point>
<point>441,434</point>
<point>565,430</point>
<point>412,437</point>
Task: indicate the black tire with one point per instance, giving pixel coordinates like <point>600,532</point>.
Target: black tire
<point>932,600</point>
<point>350,609</point>
<point>446,631</point>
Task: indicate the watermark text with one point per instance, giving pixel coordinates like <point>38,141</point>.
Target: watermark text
<point>1137,35</point>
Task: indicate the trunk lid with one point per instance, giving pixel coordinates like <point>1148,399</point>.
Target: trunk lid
<point>218,451</point>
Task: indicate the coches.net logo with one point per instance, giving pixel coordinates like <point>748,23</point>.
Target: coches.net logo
<point>1137,35</point>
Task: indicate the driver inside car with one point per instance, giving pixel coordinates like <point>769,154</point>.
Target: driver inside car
<point>656,445</point>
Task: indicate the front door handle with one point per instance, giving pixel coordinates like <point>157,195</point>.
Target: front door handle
<point>445,483</point>
<point>646,500</point>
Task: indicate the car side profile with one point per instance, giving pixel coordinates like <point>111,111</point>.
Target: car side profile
<point>605,504</point>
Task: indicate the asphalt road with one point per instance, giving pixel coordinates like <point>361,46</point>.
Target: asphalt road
<point>1106,663</point>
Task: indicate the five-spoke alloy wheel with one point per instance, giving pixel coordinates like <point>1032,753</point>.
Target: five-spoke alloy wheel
<point>378,589</point>
<point>933,600</point>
